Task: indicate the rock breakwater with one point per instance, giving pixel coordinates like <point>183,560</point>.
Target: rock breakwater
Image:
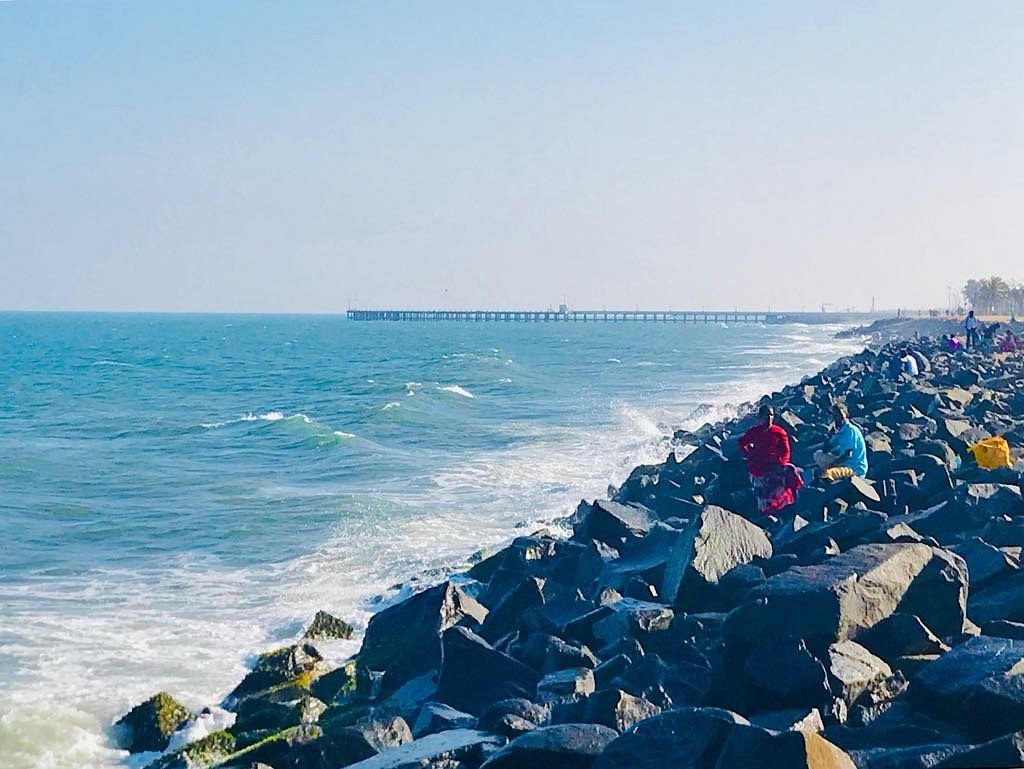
<point>879,624</point>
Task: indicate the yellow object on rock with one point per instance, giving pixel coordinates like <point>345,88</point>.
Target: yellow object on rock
<point>992,452</point>
<point>837,472</point>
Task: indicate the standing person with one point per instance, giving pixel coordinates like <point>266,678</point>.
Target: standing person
<point>971,327</point>
<point>844,453</point>
<point>766,448</point>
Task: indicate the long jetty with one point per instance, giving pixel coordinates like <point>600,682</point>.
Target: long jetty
<point>607,316</point>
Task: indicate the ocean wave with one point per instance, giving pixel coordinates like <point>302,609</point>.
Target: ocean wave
<point>457,390</point>
<point>119,363</point>
<point>391,405</point>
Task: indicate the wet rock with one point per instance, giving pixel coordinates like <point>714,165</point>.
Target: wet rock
<point>326,625</point>
<point>148,726</point>
<point>404,640</point>
<point>567,746</point>
<point>207,752</point>
<point>715,542</point>
<point>474,674</point>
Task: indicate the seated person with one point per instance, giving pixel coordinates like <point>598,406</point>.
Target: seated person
<point>844,453</point>
<point>908,363</point>
<point>1009,343</point>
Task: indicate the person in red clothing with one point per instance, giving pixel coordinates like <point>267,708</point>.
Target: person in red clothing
<point>766,448</point>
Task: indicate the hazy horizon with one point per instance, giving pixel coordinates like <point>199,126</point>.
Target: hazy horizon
<point>309,158</point>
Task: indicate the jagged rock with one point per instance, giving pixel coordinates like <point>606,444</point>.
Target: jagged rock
<point>567,746</point>
<point>853,670</point>
<point>699,738</point>
<point>148,726</point>
<point>282,674</point>
<point>617,709</point>
<point>715,542</point>
<point>979,683</point>
<point>325,625</point>
<point>403,641</point>
<point>999,600</point>
<point>794,720</point>
<point>564,683</point>
<point>504,617</point>
<point>368,738</point>
<point>438,717</point>
<point>898,635</point>
<point>443,749</point>
<point>1003,629</point>
<point>341,680</point>
<point>474,674</point>
<point>613,523</point>
<point>853,591</point>
<point>784,675</point>
<point>548,653</point>
<point>513,717</point>
<point>299,746</point>
<point>1004,751</point>
<point>630,617</point>
<point>985,563</point>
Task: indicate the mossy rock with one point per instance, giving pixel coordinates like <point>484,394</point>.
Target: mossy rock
<point>212,750</point>
<point>148,726</point>
<point>340,682</point>
<point>326,625</point>
<point>280,671</point>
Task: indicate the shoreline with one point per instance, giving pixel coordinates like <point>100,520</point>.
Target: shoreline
<point>641,622</point>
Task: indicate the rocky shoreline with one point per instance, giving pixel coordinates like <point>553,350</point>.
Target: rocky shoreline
<point>881,625</point>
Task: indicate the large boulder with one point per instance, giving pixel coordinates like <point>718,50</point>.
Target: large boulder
<point>714,542</point>
<point>404,640</point>
<point>979,683</point>
<point>475,675</point>
<point>835,600</point>
<point>612,523</point>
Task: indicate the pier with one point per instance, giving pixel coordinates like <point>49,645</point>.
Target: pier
<point>566,315</point>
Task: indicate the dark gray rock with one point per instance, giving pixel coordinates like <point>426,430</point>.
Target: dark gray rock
<point>565,683</point>
<point>513,717</point>
<point>899,635</point>
<point>715,542</point>
<point>474,674</point>
<point>979,684</point>
<point>985,563</point>
<point>367,738</point>
<point>613,523</point>
<point>567,746</point>
<point>853,670</point>
<point>438,717</point>
<point>1004,751</point>
<point>630,617</point>
<point>835,600</point>
<point>443,749</point>
<point>404,640</point>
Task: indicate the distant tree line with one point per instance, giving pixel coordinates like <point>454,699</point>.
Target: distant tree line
<point>994,296</point>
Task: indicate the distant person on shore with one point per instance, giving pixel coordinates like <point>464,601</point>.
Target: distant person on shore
<point>988,336</point>
<point>773,478</point>
<point>1010,342</point>
<point>954,343</point>
<point>844,453</point>
<point>908,363</point>
<point>971,328</point>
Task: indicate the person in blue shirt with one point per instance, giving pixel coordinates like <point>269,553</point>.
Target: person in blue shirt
<point>844,453</point>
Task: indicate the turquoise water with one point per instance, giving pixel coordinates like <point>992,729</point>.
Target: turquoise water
<point>181,492</point>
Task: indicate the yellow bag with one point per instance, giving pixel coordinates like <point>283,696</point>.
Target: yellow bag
<point>992,452</point>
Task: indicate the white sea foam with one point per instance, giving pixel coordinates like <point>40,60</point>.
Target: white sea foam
<point>391,405</point>
<point>457,391</point>
<point>613,360</point>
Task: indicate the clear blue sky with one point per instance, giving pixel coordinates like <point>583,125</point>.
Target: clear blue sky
<point>309,156</point>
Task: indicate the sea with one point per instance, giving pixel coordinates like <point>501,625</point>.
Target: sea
<point>181,492</point>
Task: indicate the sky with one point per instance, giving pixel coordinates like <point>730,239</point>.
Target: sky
<point>316,156</point>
